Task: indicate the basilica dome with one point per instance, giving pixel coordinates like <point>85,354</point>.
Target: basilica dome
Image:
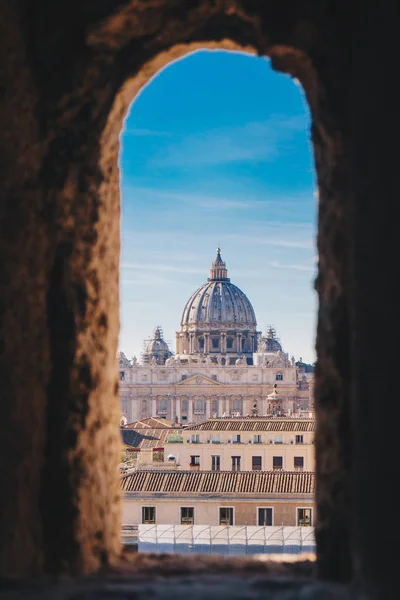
<point>219,302</point>
<point>218,321</point>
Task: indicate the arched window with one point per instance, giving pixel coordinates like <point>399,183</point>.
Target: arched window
<point>200,404</point>
<point>144,405</point>
<point>279,377</point>
<point>201,343</point>
<point>163,404</point>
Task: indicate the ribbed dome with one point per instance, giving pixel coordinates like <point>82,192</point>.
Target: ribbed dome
<point>219,301</point>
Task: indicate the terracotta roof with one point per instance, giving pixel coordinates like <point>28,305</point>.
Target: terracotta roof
<point>220,482</point>
<point>147,438</point>
<point>254,424</point>
<point>151,423</point>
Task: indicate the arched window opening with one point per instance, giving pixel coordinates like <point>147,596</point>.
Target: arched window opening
<point>213,157</point>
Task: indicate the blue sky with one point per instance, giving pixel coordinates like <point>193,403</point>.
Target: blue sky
<point>216,150</point>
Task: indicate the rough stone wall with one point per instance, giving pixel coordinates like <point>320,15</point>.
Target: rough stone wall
<point>70,70</point>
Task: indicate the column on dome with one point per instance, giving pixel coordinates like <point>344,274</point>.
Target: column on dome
<point>206,343</point>
<point>178,345</point>
<point>237,342</point>
<point>223,342</point>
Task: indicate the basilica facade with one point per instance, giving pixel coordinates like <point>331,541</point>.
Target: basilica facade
<point>222,365</point>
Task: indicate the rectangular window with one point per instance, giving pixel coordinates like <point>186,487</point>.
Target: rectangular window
<point>195,438</point>
<point>304,517</point>
<point>122,375</point>
<point>215,342</point>
<point>229,343</point>
<point>194,461</point>
<point>265,516</point>
<point>184,377</point>
<point>226,515</point>
<point>214,377</point>
<point>299,439</point>
<point>235,463</point>
<point>148,514</point>
<point>236,438</point>
<point>257,439</point>
<point>215,463</point>
<point>277,462</point>
<point>298,463</point>
<point>216,438</point>
<point>256,462</point>
<point>187,515</point>
<point>278,439</point>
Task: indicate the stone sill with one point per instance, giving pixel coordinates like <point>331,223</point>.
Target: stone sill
<point>168,577</point>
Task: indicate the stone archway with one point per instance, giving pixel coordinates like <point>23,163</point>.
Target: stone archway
<point>68,85</point>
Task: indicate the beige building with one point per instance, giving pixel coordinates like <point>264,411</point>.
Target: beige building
<point>249,444</point>
<point>218,498</point>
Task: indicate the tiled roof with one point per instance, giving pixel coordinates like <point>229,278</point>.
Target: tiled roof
<point>147,438</point>
<point>151,423</point>
<point>220,482</point>
<point>254,424</point>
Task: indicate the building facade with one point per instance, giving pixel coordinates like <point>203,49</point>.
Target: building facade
<point>222,366</point>
<point>249,444</point>
<point>209,498</point>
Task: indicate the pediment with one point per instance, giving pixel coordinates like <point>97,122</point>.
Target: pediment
<point>198,379</point>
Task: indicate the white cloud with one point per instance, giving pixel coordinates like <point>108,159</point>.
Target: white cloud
<point>295,267</point>
<point>141,132</point>
<point>161,267</point>
<point>253,142</point>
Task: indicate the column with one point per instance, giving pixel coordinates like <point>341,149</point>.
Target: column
<point>252,342</point>
<point>153,406</point>
<point>238,343</point>
<point>190,343</point>
<point>223,342</point>
<point>220,406</point>
<point>190,409</point>
<point>132,408</point>
<point>178,346</point>
<point>208,407</point>
<point>178,408</point>
<point>206,343</point>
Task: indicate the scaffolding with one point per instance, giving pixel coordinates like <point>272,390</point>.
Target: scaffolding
<point>158,333</point>
<point>221,539</point>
